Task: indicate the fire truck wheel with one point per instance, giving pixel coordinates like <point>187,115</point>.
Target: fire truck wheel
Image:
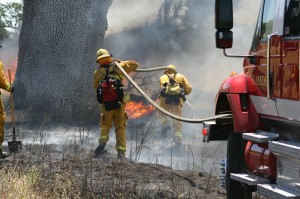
<point>236,164</point>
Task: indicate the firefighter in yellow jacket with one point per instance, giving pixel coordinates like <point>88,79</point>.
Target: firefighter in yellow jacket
<point>174,86</point>
<point>9,88</point>
<point>114,114</point>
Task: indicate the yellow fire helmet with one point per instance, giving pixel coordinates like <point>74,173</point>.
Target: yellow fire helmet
<point>102,53</point>
<point>233,73</point>
<point>171,69</point>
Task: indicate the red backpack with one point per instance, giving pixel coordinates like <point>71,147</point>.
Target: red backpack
<point>110,89</point>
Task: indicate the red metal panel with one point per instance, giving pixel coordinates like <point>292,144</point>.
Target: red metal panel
<point>244,121</point>
<point>260,160</point>
<point>236,84</point>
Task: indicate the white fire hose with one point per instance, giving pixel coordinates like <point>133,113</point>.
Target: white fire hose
<point>188,120</point>
<point>151,69</point>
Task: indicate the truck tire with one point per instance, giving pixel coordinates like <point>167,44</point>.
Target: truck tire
<point>236,164</point>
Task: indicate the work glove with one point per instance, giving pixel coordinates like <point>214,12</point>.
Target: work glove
<point>126,98</point>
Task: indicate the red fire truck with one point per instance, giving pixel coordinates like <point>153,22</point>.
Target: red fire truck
<point>263,131</point>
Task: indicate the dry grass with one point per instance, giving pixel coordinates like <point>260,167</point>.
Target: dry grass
<point>41,170</point>
<point>35,173</point>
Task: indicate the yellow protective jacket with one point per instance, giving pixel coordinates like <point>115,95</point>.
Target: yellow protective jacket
<point>3,83</point>
<point>178,78</point>
<point>100,72</point>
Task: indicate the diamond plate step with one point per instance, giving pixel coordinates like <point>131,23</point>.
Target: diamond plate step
<point>260,137</point>
<point>249,179</point>
<point>288,148</point>
<point>276,191</point>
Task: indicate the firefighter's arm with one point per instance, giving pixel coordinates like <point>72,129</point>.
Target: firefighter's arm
<point>96,79</point>
<point>129,66</point>
<point>95,82</point>
<point>3,83</point>
<point>163,79</point>
<point>187,86</point>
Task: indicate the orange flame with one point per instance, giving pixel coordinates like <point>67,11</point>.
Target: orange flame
<point>138,109</point>
<point>12,66</point>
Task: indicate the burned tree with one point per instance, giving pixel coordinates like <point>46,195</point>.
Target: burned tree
<point>57,46</point>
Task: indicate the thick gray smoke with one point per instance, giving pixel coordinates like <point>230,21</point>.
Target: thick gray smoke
<point>180,32</point>
<point>8,55</point>
<point>130,14</point>
<point>9,50</point>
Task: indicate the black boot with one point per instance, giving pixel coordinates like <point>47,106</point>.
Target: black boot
<point>178,148</point>
<point>100,149</point>
<point>164,131</point>
<point>121,156</point>
<point>3,155</point>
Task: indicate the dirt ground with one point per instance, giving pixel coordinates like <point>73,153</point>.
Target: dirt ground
<point>81,175</point>
<point>156,181</point>
<point>62,161</point>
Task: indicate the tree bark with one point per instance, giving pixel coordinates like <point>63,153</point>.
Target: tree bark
<point>57,53</point>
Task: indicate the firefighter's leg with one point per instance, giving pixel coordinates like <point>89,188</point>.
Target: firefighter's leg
<point>177,133</point>
<point>105,125</point>
<point>177,125</point>
<point>2,121</point>
<point>165,127</point>
<point>120,121</point>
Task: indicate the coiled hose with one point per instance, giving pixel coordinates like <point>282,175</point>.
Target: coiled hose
<point>188,120</point>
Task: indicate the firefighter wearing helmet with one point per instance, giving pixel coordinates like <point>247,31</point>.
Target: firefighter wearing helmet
<point>9,88</point>
<point>174,86</point>
<point>112,112</point>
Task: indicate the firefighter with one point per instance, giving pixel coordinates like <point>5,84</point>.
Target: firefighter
<point>117,115</point>
<point>172,102</point>
<point>9,88</point>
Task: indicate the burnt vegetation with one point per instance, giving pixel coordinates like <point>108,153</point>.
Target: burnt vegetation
<point>68,168</point>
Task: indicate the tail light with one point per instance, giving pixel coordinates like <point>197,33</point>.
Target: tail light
<point>204,134</point>
<point>204,131</point>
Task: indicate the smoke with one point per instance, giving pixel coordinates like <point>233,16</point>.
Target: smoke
<point>9,50</point>
<point>130,14</point>
<point>181,32</point>
<point>8,56</point>
<point>246,13</point>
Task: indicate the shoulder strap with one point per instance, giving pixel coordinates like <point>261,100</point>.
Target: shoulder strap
<point>169,76</point>
<point>171,79</point>
<point>106,70</point>
<point>107,67</point>
<point>115,71</point>
<point>107,73</point>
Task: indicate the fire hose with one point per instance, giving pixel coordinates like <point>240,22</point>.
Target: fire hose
<point>188,120</point>
<point>152,69</point>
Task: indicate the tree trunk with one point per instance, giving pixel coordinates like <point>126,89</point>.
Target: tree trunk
<point>57,53</point>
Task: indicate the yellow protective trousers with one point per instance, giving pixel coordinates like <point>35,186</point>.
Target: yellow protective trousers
<point>2,121</point>
<point>118,117</point>
<point>176,110</point>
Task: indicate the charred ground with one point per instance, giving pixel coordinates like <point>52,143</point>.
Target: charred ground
<point>59,163</point>
<point>52,173</point>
